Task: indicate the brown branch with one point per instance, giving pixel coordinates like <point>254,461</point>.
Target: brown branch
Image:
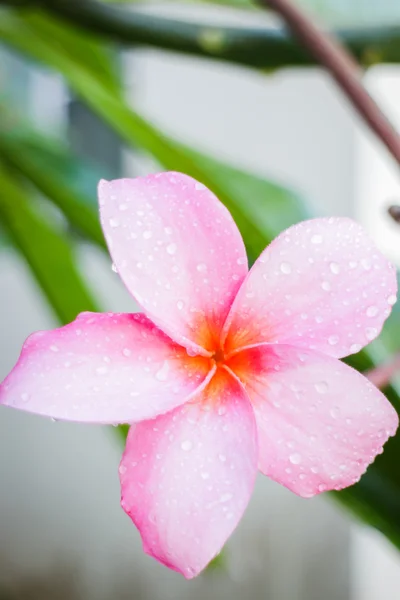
<point>381,376</point>
<point>342,66</point>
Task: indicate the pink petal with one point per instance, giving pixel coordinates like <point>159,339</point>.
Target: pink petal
<point>320,423</point>
<point>321,285</point>
<point>103,368</point>
<point>187,476</point>
<point>178,251</point>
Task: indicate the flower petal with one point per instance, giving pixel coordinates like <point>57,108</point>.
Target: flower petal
<point>187,476</point>
<point>103,368</point>
<point>321,284</point>
<point>320,423</point>
<point>177,250</point>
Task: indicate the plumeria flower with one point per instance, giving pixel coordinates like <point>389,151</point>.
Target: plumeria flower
<point>226,371</point>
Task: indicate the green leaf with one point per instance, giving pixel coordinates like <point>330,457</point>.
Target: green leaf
<point>30,35</point>
<point>45,249</point>
<point>58,175</point>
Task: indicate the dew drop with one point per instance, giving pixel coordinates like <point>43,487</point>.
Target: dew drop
<point>335,268</point>
<point>126,352</point>
<point>366,264</point>
<point>333,340</point>
<point>186,445</point>
<point>180,304</point>
<point>372,311</point>
<point>205,475</point>
<point>295,458</point>
<point>226,497</point>
<point>355,348</point>
<point>171,249</point>
<point>114,223</point>
<point>326,286</point>
<point>316,239</point>
<point>54,348</point>
<point>321,387</point>
<point>122,470</point>
<point>371,333</point>
<point>147,235</point>
<point>101,370</point>
<point>162,374</point>
<point>24,397</point>
<point>222,457</point>
<point>335,412</point>
<point>391,299</point>
<point>114,268</point>
<point>202,268</point>
<point>286,268</point>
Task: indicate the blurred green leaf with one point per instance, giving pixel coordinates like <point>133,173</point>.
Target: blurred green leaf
<point>45,249</point>
<point>60,177</point>
<point>34,34</point>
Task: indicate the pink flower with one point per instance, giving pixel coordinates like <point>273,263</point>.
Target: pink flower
<point>226,371</point>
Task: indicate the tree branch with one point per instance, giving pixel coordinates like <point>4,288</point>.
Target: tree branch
<point>381,376</point>
<point>267,48</point>
<point>343,68</point>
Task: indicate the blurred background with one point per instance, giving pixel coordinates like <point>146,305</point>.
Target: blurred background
<point>278,142</point>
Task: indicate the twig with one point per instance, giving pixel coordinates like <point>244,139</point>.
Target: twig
<point>342,66</point>
<point>381,376</point>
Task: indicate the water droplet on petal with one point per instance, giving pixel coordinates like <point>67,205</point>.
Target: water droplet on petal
<point>101,370</point>
<point>321,387</point>
<point>114,223</point>
<point>333,340</point>
<point>226,497</point>
<point>391,299</point>
<point>295,458</point>
<point>326,286</point>
<point>355,348</point>
<point>126,352</point>
<point>372,311</point>
<point>147,235</point>
<point>202,267</point>
<point>162,374</point>
<point>316,239</point>
<point>335,412</point>
<point>335,268</point>
<point>286,268</point>
<point>371,333</point>
<point>180,304</point>
<point>114,268</point>
<point>171,249</point>
<point>186,445</point>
